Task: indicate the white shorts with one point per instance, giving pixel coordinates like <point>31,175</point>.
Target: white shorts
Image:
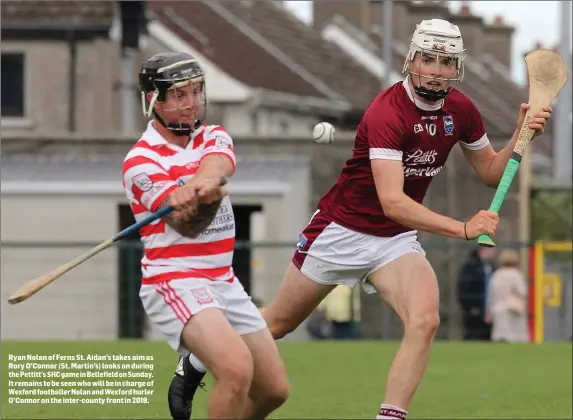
<point>169,305</point>
<point>332,254</point>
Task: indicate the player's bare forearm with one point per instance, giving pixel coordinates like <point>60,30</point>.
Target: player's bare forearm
<point>389,180</point>
<point>203,217</point>
<point>488,164</point>
<point>499,162</point>
<point>190,220</point>
<point>195,210</point>
<point>495,163</point>
<point>178,219</point>
<point>408,212</point>
<point>214,166</point>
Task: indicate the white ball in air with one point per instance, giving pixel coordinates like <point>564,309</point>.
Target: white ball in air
<point>323,133</point>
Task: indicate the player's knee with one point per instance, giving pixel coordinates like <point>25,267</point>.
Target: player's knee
<point>424,324</point>
<point>236,374</point>
<point>280,393</point>
<point>280,327</point>
<point>277,393</point>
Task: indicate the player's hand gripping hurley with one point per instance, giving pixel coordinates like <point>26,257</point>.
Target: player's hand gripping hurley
<point>33,286</point>
<point>547,74</point>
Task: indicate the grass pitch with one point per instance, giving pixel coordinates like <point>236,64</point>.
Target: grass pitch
<point>346,380</point>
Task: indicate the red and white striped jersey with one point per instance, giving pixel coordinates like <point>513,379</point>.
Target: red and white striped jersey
<point>152,169</point>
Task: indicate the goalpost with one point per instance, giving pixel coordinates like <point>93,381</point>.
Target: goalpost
<point>546,285</point>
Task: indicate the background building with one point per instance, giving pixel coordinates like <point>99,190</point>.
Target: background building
<point>70,112</point>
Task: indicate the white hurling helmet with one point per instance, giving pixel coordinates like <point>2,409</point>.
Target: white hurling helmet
<point>436,37</point>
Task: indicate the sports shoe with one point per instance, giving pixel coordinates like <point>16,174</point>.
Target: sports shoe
<point>184,384</point>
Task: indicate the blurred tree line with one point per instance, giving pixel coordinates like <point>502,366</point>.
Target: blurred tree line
<point>552,215</point>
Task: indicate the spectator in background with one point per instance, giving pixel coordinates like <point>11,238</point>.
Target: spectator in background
<point>473,284</point>
<point>507,300</point>
<point>337,316</point>
<point>317,325</point>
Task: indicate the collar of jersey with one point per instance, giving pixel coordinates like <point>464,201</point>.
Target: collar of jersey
<point>153,138</point>
<point>417,102</point>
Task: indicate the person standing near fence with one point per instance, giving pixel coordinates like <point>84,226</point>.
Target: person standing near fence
<point>341,309</point>
<point>507,300</point>
<point>472,291</point>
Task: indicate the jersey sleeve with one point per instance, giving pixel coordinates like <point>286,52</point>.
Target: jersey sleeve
<point>144,179</point>
<point>219,142</point>
<point>385,135</point>
<point>473,135</point>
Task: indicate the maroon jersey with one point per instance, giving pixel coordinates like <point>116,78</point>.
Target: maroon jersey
<point>398,127</point>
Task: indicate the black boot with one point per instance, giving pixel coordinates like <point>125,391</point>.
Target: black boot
<point>185,382</point>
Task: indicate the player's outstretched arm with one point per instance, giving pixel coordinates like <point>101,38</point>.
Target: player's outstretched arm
<point>214,166</point>
<point>389,180</point>
<point>198,201</point>
<point>192,218</point>
<point>218,161</point>
<point>490,165</point>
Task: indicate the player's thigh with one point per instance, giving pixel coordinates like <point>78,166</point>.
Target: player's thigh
<point>193,318</point>
<point>297,297</point>
<point>409,286</point>
<point>210,336</point>
<point>170,304</point>
<point>327,255</point>
<point>269,375</point>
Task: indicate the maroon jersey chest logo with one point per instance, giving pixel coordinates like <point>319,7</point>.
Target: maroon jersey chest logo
<point>422,163</point>
<point>430,142</point>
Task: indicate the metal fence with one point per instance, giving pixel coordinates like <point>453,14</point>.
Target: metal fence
<point>99,299</point>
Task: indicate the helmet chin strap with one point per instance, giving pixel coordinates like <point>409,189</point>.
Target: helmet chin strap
<point>429,94</point>
<point>181,129</point>
<point>178,129</point>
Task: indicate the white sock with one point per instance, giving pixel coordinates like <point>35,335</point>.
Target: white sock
<point>388,411</point>
<point>196,363</point>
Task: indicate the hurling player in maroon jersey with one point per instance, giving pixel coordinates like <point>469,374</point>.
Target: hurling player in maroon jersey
<point>365,228</point>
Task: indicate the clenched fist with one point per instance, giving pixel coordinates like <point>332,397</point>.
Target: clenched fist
<point>184,195</point>
<point>210,190</point>
<point>483,222</point>
<point>200,191</point>
<point>538,121</point>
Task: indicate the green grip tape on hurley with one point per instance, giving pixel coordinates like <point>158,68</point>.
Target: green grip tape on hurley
<point>502,189</point>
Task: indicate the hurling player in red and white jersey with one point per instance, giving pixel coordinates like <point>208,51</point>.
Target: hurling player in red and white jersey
<point>188,287</point>
<point>365,228</point>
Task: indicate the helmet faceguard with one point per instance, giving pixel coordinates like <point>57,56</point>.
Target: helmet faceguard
<point>440,46</point>
<point>175,79</point>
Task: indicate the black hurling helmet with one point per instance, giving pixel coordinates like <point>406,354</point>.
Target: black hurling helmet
<point>172,71</point>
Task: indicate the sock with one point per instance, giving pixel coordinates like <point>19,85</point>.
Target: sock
<point>388,411</point>
<point>197,364</point>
